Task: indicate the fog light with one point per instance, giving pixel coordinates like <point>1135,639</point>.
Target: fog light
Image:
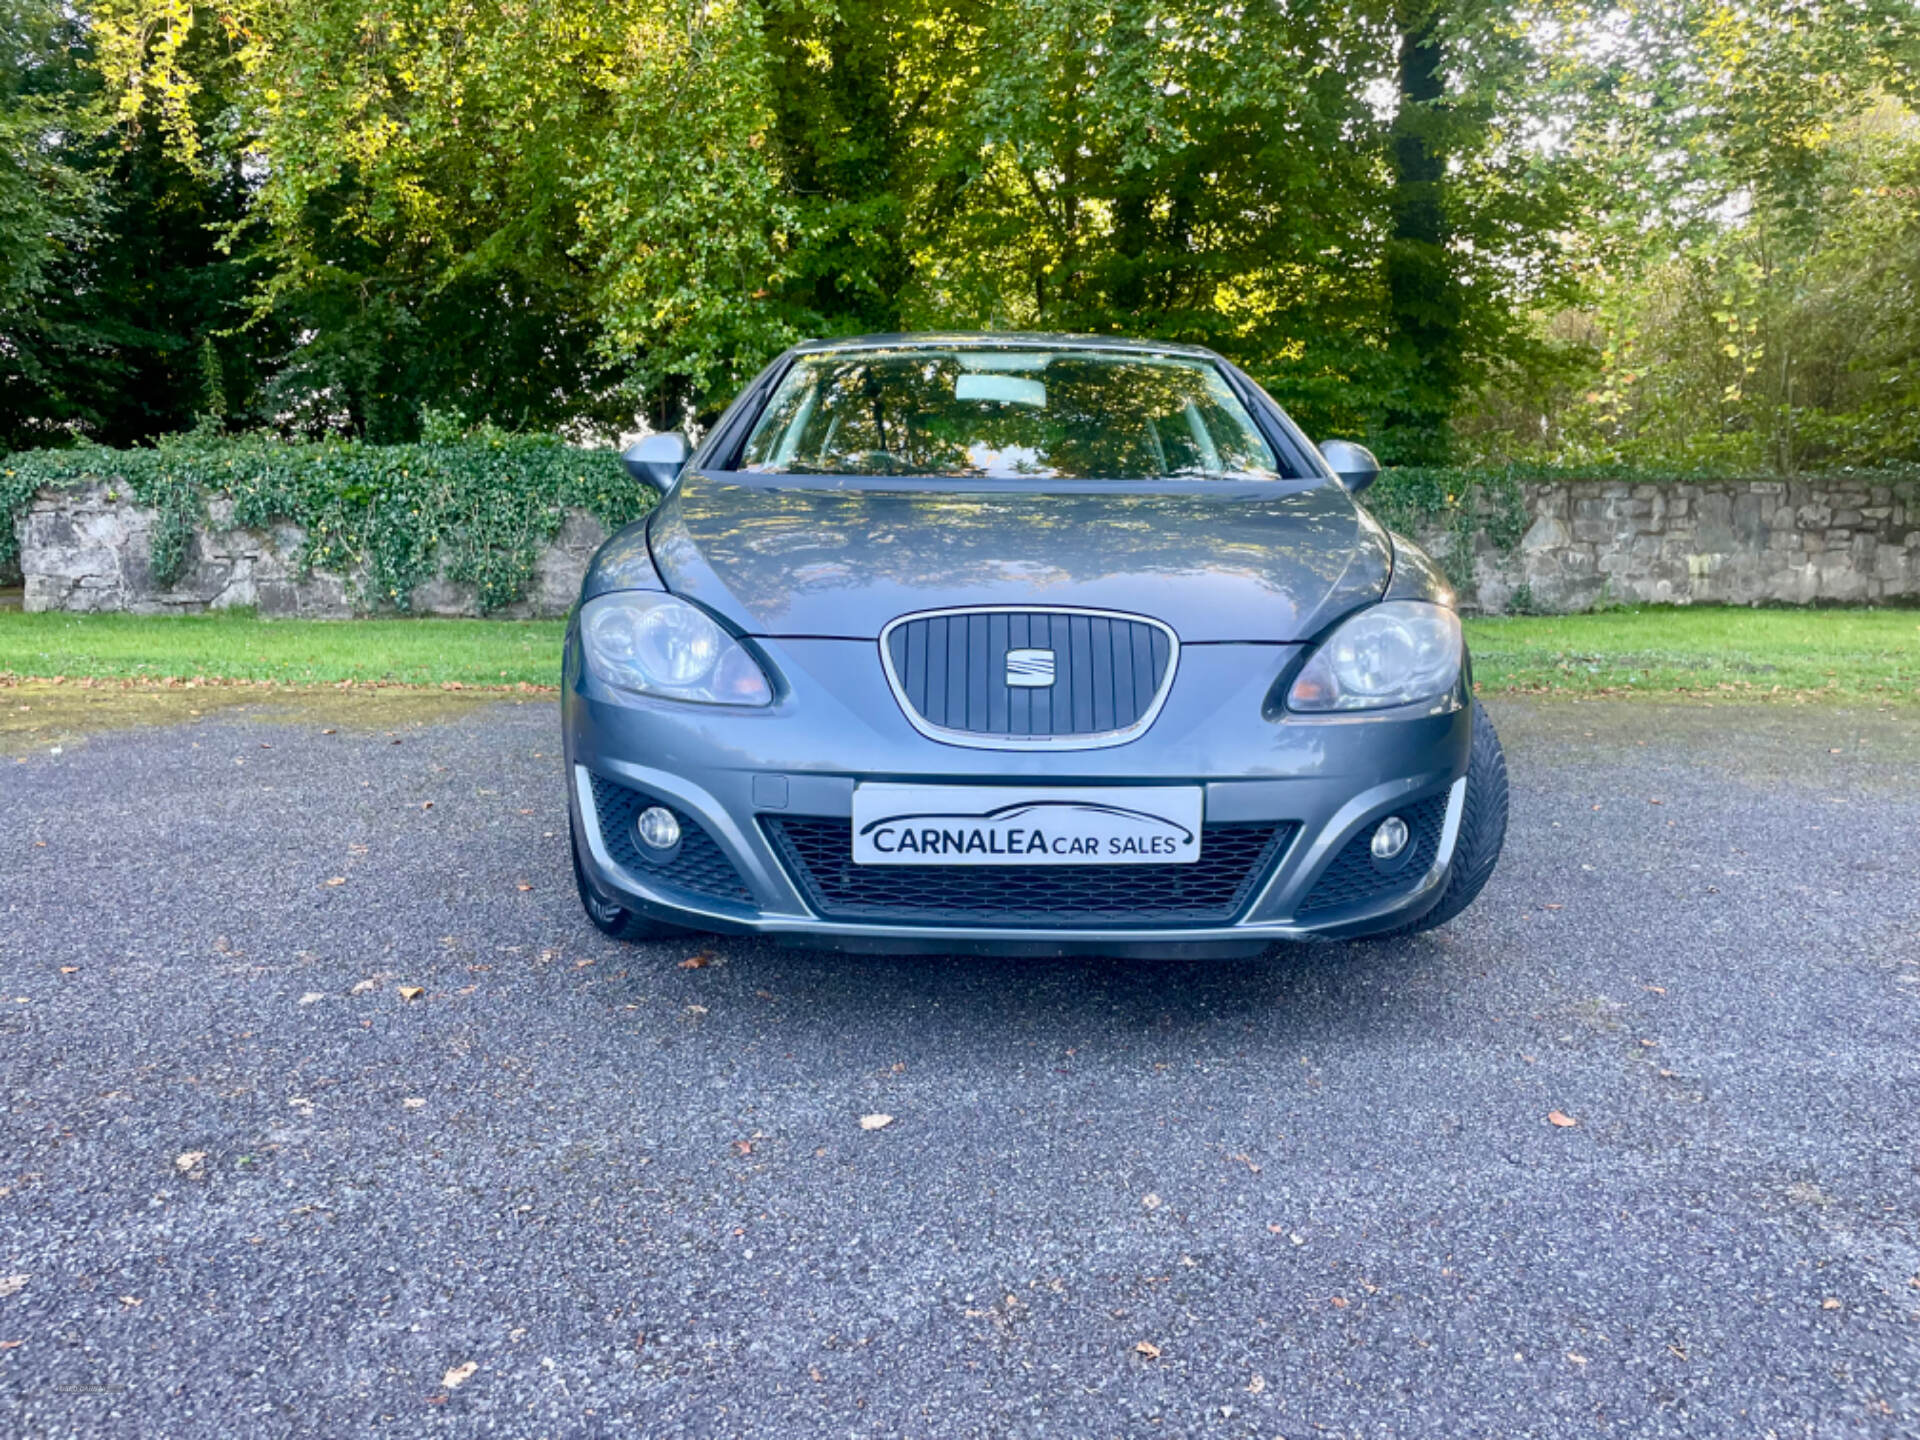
<point>1390,838</point>
<point>658,830</point>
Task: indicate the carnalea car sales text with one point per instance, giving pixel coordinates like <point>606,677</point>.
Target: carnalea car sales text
<point>930,840</point>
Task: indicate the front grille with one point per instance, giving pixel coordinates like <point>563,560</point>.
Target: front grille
<point>1234,859</point>
<point>950,672</point>
<point>1355,876</point>
<point>698,866</point>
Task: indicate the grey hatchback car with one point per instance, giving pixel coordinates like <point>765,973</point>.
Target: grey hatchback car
<point>1029,644</point>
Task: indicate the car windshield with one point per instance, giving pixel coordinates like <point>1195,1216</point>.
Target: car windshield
<point>1010,414</point>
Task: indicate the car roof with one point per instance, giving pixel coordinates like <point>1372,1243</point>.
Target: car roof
<point>1001,340</point>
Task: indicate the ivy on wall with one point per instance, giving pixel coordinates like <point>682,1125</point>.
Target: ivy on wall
<point>477,509</point>
<point>1455,503</point>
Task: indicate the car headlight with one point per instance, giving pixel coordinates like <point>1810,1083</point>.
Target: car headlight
<point>1398,653</point>
<point>642,640</point>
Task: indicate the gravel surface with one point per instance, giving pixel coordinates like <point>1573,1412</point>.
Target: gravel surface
<point>249,1187</point>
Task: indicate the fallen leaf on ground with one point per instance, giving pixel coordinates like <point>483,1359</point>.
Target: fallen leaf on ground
<point>69,969</point>
<point>1152,1202</point>
<point>1830,1303</point>
<point>1148,1349</point>
<point>1256,1384</point>
<point>312,997</point>
<point>338,880</point>
<point>1553,907</point>
<point>13,1284</point>
<point>459,1375</point>
<point>189,1159</point>
<point>11,1344</point>
<point>411,992</point>
<point>413,1102</point>
<point>1563,1120</point>
<point>875,1122</point>
<point>361,987</point>
<point>129,1300</point>
<point>743,1147</point>
<point>696,962</point>
<point>1655,989</point>
<point>1339,1302</point>
<point>1576,1359</point>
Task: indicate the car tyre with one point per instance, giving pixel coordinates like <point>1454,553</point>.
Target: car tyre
<point>1483,829</point>
<point>608,916</point>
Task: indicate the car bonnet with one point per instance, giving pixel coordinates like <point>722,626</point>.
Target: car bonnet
<point>1268,562</point>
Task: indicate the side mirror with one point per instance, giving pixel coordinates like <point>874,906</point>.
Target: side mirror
<point>1354,464</point>
<point>657,460</point>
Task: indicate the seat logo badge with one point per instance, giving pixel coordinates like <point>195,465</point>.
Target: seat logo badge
<point>1029,669</point>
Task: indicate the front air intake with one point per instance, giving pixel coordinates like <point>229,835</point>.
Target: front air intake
<point>1029,678</point>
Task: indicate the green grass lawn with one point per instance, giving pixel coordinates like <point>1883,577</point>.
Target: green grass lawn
<point>1844,654</point>
<point>289,652</point>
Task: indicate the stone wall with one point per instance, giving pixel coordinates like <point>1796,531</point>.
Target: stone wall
<point>1723,542</point>
<point>1735,542</point>
<point>86,548</point>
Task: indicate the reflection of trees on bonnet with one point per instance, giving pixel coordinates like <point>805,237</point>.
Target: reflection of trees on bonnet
<point>781,550</point>
<point>1083,417</point>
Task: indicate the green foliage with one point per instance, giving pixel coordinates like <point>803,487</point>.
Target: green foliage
<point>1750,255</point>
<point>49,204</point>
<point>541,217</point>
<point>1459,504</point>
<point>482,506</point>
<point>1674,232</point>
<point>126,332</point>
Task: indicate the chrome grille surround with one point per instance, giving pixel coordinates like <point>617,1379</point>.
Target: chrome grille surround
<point>1008,739</point>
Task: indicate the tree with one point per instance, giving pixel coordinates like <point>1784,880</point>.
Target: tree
<point>1749,243</point>
<point>49,204</point>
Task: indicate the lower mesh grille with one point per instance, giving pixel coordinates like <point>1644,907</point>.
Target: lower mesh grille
<point>699,866</point>
<point>1355,876</point>
<point>1213,890</point>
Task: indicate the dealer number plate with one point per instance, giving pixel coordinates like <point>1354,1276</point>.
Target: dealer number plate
<point>1020,825</point>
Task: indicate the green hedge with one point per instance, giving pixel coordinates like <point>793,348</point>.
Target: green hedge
<point>482,506</point>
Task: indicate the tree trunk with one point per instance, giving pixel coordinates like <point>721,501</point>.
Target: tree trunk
<point>1423,298</point>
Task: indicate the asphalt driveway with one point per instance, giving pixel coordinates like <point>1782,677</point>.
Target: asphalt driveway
<point>249,1187</point>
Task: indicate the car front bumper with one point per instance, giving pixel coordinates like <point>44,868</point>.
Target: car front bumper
<point>1329,779</point>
